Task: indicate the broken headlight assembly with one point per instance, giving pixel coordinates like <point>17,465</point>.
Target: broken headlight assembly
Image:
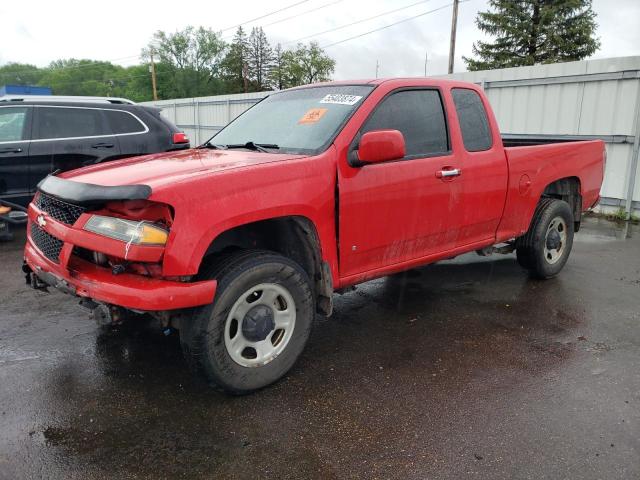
<point>130,231</point>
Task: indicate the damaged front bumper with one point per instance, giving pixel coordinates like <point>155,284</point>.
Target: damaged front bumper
<point>76,276</point>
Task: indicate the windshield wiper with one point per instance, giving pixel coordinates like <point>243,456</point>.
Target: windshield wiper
<point>212,146</point>
<point>259,147</point>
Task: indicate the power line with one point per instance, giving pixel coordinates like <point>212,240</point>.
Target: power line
<point>228,37</point>
<point>295,16</point>
<point>303,13</point>
<point>388,26</point>
<point>356,22</point>
<point>265,15</point>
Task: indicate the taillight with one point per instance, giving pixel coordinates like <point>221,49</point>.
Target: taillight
<point>180,137</point>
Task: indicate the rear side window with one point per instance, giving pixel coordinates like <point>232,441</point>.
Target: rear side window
<point>474,123</point>
<point>70,123</point>
<point>12,124</point>
<point>419,115</point>
<point>123,122</point>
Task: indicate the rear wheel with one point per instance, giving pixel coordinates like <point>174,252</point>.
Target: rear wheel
<point>546,246</point>
<point>256,327</point>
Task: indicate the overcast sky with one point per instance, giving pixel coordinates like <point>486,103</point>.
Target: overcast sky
<point>116,30</point>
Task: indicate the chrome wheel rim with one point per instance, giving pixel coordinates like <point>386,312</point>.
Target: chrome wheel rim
<point>555,240</point>
<point>260,324</point>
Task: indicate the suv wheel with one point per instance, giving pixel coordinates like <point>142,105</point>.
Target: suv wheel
<point>256,327</point>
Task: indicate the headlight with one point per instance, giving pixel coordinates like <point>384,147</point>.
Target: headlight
<point>130,231</point>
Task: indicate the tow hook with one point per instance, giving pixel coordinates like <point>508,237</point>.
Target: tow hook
<point>32,279</point>
<point>38,284</point>
<point>106,315</point>
<point>26,269</point>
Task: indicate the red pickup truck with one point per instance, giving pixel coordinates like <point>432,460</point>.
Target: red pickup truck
<point>240,242</point>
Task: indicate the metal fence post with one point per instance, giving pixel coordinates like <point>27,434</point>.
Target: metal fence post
<point>633,164</point>
<point>196,119</point>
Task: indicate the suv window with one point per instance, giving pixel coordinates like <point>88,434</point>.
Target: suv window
<point>123,122</point>
<point>474,124</point>
<point>67,122</point>
<point>419,115</point>
<point>12,123</point>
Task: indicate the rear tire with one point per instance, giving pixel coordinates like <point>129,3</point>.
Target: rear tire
<point>257,325</point>
<point>545,248</point>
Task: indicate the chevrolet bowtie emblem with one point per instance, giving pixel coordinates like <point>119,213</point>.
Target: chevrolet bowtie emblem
<point>41,221</point>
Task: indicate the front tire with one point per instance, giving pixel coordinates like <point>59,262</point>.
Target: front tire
<point>545,248</point>
<point>257,325</point>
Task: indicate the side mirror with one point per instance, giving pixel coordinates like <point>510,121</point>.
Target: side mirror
<point>381,146</point>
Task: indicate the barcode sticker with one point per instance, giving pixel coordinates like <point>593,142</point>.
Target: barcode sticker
<point>341,99</point>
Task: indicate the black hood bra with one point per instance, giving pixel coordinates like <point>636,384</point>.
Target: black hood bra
<point>88,193</point>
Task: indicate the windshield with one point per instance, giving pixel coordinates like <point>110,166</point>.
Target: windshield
<point>295,121</point>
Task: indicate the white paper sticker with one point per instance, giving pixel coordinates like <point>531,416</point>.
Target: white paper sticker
<point>341,99</point>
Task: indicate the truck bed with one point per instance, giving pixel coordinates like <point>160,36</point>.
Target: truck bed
<point>533,166</point>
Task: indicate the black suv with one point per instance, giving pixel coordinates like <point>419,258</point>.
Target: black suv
<point>45,134</point>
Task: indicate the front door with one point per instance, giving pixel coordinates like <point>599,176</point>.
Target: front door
<point>401,210</point>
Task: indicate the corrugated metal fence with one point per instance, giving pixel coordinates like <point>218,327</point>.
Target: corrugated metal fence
<point>201,117</point>
<point>576,100</point>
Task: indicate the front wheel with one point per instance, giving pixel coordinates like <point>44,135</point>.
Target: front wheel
<point>256,327</point>
<point>546,246</point>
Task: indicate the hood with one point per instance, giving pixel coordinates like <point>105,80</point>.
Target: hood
<point>171,167</point>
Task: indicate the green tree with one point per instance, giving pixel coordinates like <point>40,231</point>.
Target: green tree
<point>20,74</point>
<point>306,64</point>
<point>529,32</point>
<point>83,77</point>
<point>189,62</point>
<point>276,75</point>
<point>235,64</point>
<point>260,59</point>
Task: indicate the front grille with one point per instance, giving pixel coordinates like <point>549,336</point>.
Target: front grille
<point>49,245</point>
<point>62,211</point>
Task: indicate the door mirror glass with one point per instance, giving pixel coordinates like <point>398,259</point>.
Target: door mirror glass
<point>381,146</point>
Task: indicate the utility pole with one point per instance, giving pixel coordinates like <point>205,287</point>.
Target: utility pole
<point>152,69</point>
<point>426,59</point>
<point>454,24</point>
<point>377,67</point>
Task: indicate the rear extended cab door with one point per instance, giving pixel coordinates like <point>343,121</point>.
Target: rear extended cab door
<point>484,171</point>
<point>15,134</point>
<point>68,137</point>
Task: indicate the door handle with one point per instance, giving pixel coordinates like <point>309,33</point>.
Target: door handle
<point>10,150</point>
<point>102,145</point>
<point>454,172</point>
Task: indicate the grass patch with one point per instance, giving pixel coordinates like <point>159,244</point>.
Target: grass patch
<point>621,215</point>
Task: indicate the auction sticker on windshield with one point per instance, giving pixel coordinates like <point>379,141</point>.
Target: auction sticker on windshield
<point>313,115</point>
<point>341,99</point>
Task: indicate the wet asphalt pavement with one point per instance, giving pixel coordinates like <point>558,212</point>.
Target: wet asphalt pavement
<point>464,369</point>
